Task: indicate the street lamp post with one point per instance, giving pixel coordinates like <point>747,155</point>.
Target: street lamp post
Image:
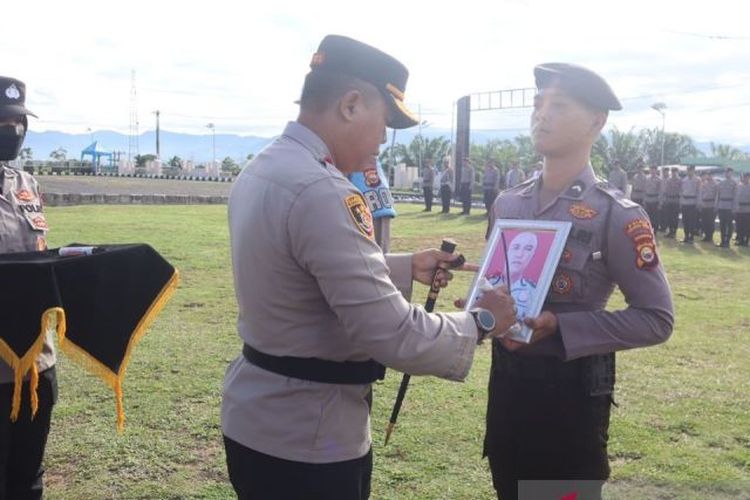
<point>213,130</point>
<point>660,108</point>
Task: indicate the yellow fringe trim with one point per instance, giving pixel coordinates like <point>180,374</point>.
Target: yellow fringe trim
<point>21,366</point>
<point>114,380</point>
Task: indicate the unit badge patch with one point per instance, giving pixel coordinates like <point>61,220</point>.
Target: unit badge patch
<point>361,215</point>
<point>562,284</point>
<point>642,235</point>
<point>25,195</point>
<point>582,211</point>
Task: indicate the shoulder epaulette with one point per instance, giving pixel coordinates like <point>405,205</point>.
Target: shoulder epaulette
<point>616,195</point>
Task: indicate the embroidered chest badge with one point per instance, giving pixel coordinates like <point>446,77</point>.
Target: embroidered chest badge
<point>360,214</point>
<point>582,211</point>
<point>562,284</point>
<point>642,235</point>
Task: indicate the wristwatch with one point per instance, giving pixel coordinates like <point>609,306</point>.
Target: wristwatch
<point>485,322</point>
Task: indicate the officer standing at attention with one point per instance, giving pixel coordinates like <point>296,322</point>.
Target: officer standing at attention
<point>726,191</point>
<point>549,401</point>
<point>467,186</point>
<point>672,188</point>
<point>638,191</point>
<point>742,210</point>
<point>23,228</point>
<point>664,216</point>
<point>617,177</point>
<point>428,183</point>
<point>514,177</point>
<point>446,185</point>
<point>707,204</point>
<point>319,308</point>
<point>490,183</point>
<point>689,187</point>
<point>652,196</point>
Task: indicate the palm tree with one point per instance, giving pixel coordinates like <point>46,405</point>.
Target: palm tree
<point>624,147</point>
<point>727,152</point>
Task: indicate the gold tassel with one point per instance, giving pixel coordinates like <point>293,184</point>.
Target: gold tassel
<point>115,380</point>
<point>22,365</point>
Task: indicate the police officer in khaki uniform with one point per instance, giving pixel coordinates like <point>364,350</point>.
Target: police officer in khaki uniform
<point>689,187</point>
<point>549,401</point>
<point>466,186</point>
<point>490,183</point>
<point>319,308</point>
<point>428,183</point>
<point>446,185</point>
<point>617,177</point>
<point>652,196</point>
<point>707,206</point>
<point>726,191</point>
<point>638,190</point>
<point>671,202</point>
<point>742,210</point>
<point>23,228</point>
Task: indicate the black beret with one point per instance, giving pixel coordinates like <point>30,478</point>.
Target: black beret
<point>581,83</point>
<point>340,54</point>
<point>13,98</point>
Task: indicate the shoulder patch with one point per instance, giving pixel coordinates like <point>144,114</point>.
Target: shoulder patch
<point>357,208</point>
<point>617,195</point>
<point>641,234</point>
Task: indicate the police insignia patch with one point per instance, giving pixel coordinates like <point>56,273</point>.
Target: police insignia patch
<point>582,211</point>
<point>24,195</point>
<point>39,223</point>
<point>640,231</point>
<point>562,284</point>
<point>41,243</point>
<point>361,215</point>
<point>567,256</point>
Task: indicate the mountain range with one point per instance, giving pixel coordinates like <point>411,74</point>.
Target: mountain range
<point>200,148</point>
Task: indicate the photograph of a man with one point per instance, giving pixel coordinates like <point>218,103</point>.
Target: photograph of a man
<point>527,251</point>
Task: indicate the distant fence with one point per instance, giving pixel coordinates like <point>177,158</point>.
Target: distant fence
<point>66,200</point>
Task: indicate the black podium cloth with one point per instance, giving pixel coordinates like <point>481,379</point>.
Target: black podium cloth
<point>100,305</point>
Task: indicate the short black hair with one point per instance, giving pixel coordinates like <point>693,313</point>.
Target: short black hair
<point>322,88</point>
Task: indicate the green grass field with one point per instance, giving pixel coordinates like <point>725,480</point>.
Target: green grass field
<point>682,429</point>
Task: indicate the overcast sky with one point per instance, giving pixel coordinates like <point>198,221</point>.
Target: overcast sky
<point>240,65</point>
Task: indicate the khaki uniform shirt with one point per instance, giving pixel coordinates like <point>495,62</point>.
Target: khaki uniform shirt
<point>23,228</point>
<point>619,179</point>
<point>742,199</point>
<point>467,176</point>
<point>653,189</point>
<point>447,177</point>
<point>610,244</point>
<point>310,282</point>
<point>428,176</point>
<point>514,177</point>
<point>707,195</point>
<point>725,195</point>
<point>639,187</point>
<point>672,188</point>
<point>689,191</point>
<point>491,179</point>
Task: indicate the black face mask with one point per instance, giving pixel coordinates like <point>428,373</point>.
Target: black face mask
<point>11,140</point>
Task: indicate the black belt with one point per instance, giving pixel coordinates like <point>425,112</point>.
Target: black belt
<point>689,197</point>
<point>317,370</point>
<point>743,204</point>
<point>726,199</point>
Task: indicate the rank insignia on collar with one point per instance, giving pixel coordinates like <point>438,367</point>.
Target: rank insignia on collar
<point>582,211</point>
<point>562,284</point>
<point>576,190</point>
<point>360,214</point>
<point>642,235</point>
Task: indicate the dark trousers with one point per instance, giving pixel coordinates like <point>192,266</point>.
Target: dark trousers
<point>427,198</point>
<point>690,221</point>
<point>22,442</point>
<point>489,198</point>
<point>466,198</point>
<point>725,225</point>
<point>255,475</point>
<point>708,217</point>
<point>445,197</point>
<point>652,209</point>
<point>671,217</point>
<point>743,229</point>
<point>545,430</point>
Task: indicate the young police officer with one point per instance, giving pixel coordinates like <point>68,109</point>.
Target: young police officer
<point>549,401</point>
<point>22,229</point>
<point>319,312</point>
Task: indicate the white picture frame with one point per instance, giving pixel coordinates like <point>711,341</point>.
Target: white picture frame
<point>535,248</point>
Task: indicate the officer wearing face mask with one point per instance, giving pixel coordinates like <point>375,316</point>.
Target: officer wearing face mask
<point>22,229</point>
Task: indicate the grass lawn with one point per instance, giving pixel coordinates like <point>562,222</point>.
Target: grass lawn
<point>682,429</point>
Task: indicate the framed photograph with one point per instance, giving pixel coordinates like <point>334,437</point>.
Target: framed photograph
<point>522,255</point>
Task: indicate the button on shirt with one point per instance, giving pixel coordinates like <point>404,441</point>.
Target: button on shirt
<point>23,228</point>
<point>583,283</point>
<point>310,283</point>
